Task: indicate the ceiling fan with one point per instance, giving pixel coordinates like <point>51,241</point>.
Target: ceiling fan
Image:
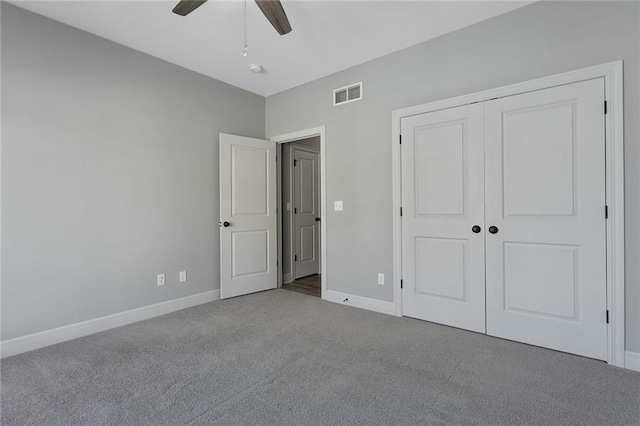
<point>272,9</point>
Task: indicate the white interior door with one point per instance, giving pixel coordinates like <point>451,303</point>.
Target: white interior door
<point>443,200</point>
<point>545,196</point>
<point>248,222</point>
<point>306,212</point>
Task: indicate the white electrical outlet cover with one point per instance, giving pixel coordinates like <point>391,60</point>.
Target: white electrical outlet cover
<point>381,279</point>
<point>160,279</point>
<point>183,276</point>
<point>337,206</point>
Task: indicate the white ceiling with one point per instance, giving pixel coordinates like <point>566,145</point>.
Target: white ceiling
<point>327,36</point>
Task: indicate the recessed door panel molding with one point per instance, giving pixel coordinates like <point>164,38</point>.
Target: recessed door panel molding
<point>307,243</point>
<point>441,268</point>
<point>440,156</point>
<point>248,221</point>
<point>250,253</point>
<point>545,166</point>
<point>541,279</point>
<point>539,157</point>
<point>308,192</point>
<point>249,181</point>
<point>306,218</point>
<point>443,200</point>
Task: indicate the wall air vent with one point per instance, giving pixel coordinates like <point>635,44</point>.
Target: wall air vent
<point>350,93</point>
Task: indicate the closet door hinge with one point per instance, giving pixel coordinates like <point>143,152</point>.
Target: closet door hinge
<point>607,316</point>
<point>295,163</point>
<point>605,107</point>
<point>401,284</point>
<point>400,139</point>
<point>400,211</point>
<point>295,257</point>
<point>606,212</point>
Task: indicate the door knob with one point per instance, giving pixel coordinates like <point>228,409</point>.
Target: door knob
<point>226,224</point>
<point>317,219</point>
<point>493,229</point>
<point>476,229</point>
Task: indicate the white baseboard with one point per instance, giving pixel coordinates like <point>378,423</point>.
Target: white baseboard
<point>632,360</point>
<point>287,278</point>
<point>361,302</point>
<point>73,331</point>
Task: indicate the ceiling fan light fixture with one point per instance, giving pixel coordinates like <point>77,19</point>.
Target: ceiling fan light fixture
<point>256,69</point>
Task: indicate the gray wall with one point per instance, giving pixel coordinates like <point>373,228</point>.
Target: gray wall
<point>109,174</point>
<point>538,40</point>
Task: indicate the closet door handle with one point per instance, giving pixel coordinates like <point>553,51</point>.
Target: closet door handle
<point>493,229</point>
<point>226,224</point>
<point>476,229</point>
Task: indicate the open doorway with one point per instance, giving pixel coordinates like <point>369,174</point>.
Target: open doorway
<point>300,218</point>
<point>301,208</point>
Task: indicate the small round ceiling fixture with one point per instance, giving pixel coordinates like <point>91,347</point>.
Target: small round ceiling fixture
<point>255,68</point>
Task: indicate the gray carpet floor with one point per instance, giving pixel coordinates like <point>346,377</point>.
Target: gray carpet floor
<point>278,357</point>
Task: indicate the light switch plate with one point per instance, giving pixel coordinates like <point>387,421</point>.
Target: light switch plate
<point>183,276</point>
<point>381,279</point>
<point>337,206</point>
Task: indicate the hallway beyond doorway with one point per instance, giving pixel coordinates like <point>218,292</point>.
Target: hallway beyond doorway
<point>306,285</point>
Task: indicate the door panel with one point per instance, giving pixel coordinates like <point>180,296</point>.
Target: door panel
<point>248,203</point>
<point>535,271</point>
<point>249,253</point>
<point>443,198</point>
<point>307,243</point>
<point>545,193</point>
<point>306,199</point>
<point>539,139</point>
<point>440,169</point>
<point>440,267</point>
<point>249,192</point>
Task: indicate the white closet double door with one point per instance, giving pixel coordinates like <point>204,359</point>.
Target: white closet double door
<point>503,227</point>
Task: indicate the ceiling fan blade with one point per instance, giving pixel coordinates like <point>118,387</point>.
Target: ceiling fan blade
<point>185,7</point>
<point>275,13</point>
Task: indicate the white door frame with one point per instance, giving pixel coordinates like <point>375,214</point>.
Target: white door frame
<point>293,137</point>
<point>614,143</point>
<point>291,195</point>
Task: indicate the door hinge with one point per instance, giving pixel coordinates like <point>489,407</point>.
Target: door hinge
<point>400,211</point>
<point>295,163</point>
<point>606,212</point>
<point>401,284</point>
<point>607,316</point>
<point>400,139</point>
<point>295,257</point>
<point>295,210</point>
<point>605,107</point>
